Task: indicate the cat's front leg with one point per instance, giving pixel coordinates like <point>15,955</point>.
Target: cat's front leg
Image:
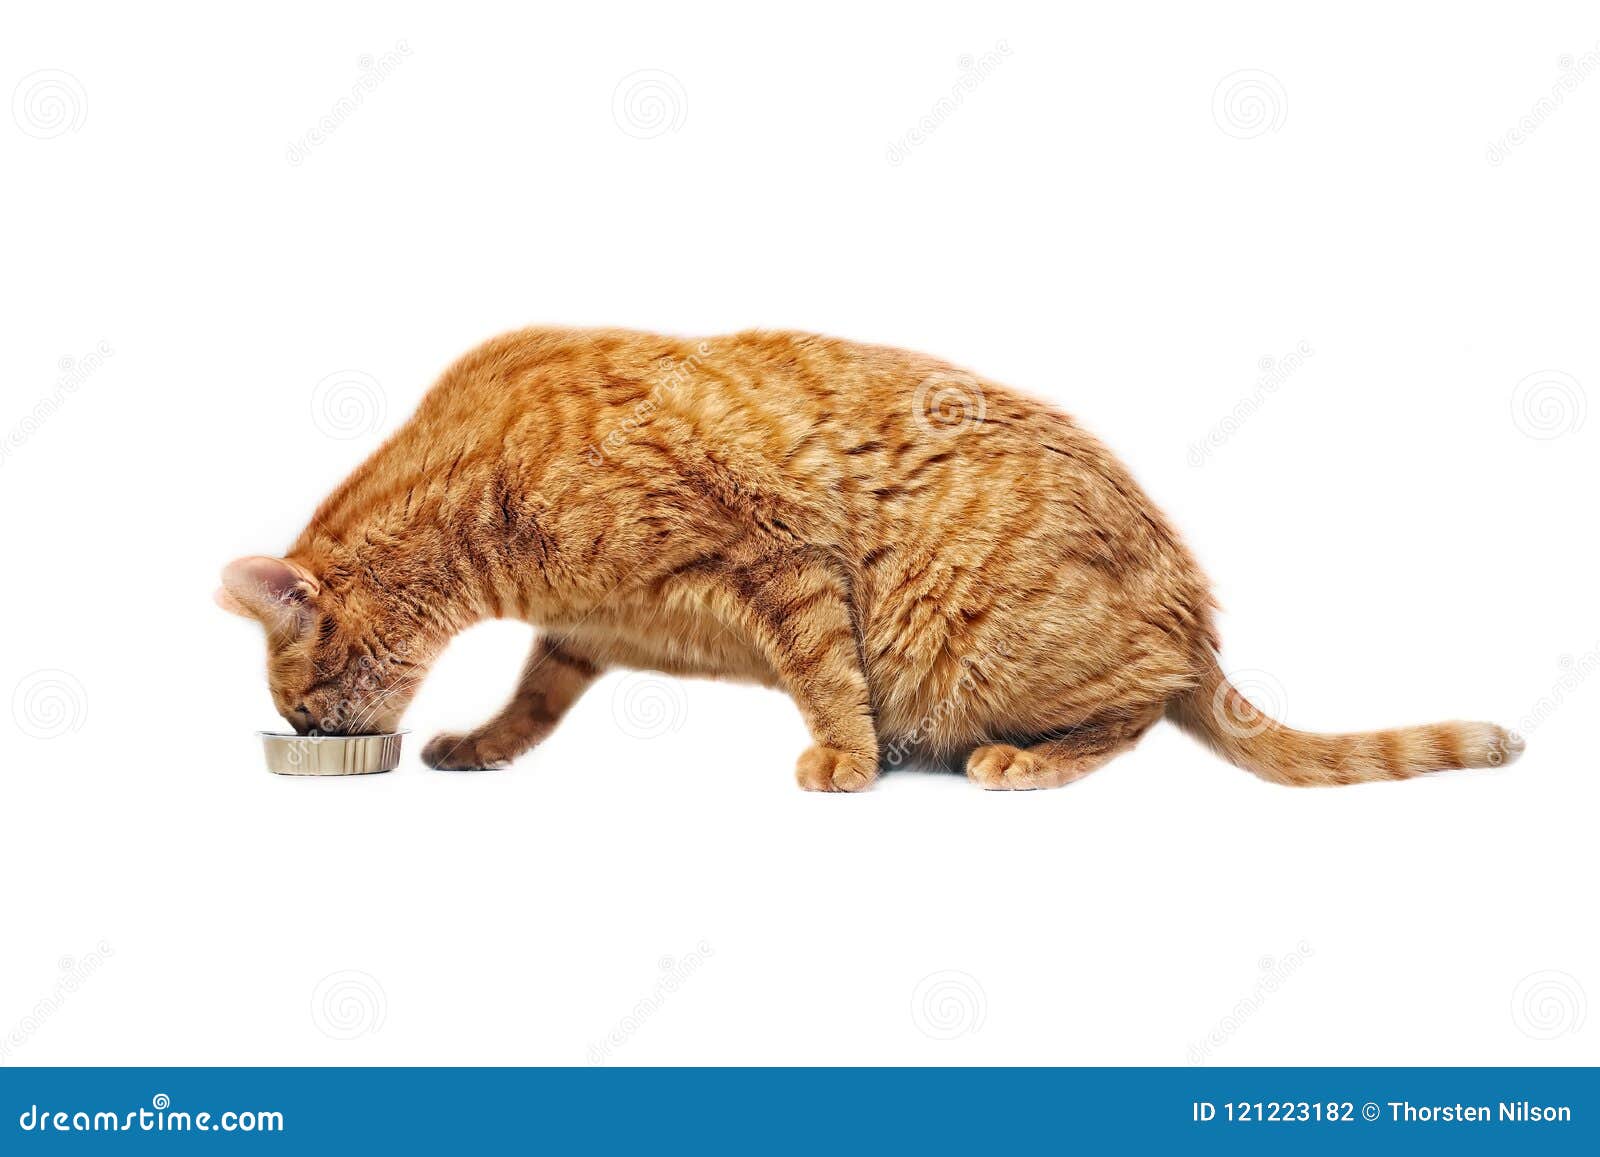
<point>794,606</point>
<point>552,679</point>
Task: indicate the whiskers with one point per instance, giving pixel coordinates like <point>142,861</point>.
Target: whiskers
<point>368,710</point>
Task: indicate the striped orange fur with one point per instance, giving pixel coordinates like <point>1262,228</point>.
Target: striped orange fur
<point>933,566</point>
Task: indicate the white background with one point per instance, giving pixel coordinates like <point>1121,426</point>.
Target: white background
<point>1399,532</point>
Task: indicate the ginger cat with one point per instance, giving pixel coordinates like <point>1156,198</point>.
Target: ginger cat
<point>932,565</point>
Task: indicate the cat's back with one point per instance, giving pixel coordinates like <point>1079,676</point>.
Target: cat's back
<point>612,366</point>
<point>867,431</point>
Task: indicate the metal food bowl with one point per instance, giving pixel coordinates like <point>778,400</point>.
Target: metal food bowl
<point>331,754</point>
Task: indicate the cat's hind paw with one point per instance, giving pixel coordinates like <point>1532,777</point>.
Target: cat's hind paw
<point>828,769</point>
<point>1001,767</point>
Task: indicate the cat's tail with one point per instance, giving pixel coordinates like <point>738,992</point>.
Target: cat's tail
<point>1216,713</point>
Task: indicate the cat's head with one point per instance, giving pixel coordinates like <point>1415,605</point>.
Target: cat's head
<point>329,667</point>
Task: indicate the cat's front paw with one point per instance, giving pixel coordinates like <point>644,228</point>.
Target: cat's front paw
<point>451,751</point>
<point>829,769</point>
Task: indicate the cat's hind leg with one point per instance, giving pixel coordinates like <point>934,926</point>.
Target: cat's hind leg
<point>1056,761</point>
<point>552,679</point>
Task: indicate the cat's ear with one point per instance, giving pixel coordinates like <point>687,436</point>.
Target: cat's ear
<point>230,604</point>
<point>275,591</point>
